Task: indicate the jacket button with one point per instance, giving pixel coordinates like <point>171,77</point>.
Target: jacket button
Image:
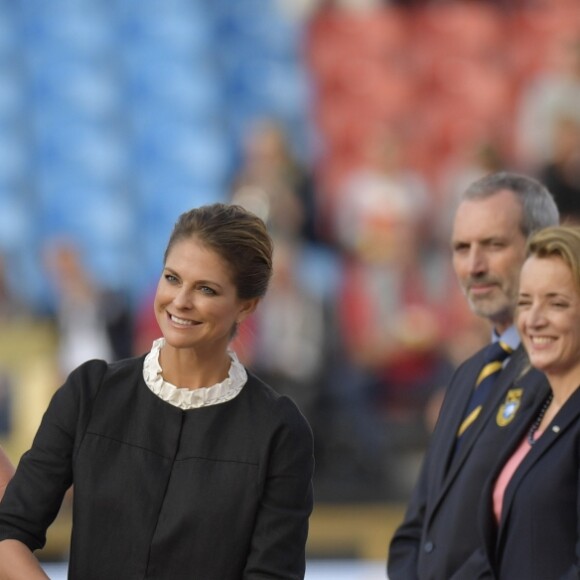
<point>429,547</point>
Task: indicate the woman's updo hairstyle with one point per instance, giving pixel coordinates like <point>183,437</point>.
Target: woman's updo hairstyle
<point>238,236</point>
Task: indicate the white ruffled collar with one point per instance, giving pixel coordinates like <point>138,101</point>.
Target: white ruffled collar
<point>192,398</point>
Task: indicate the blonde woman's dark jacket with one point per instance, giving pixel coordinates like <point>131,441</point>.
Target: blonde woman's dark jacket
<point>538,537</point>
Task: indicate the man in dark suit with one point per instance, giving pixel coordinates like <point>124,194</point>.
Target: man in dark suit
<point>493,220</point>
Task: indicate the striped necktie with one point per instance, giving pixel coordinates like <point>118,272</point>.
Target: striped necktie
<point>496,353</point>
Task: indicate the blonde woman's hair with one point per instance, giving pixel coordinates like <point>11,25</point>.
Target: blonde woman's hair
<point>558,241</point>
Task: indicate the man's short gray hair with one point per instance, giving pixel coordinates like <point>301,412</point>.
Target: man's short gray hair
<point>539,209</point>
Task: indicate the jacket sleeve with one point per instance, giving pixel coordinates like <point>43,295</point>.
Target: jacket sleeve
<point>44,473</point>
<point>404,548</point>
<point>278,545</point>
<point>574,572</point>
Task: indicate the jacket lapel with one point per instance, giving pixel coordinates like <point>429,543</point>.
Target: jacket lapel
<point>536,388</point>
<point>507,377</point>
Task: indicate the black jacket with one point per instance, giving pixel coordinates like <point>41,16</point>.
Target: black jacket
<point>538,537</point>
<point>222,492</point>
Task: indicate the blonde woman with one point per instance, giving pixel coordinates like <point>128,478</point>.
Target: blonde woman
<point>530,514</point>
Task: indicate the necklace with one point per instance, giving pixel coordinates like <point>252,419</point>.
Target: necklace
<point>538,421</point>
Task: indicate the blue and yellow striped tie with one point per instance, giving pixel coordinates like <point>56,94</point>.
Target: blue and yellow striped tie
<point>496,353</point>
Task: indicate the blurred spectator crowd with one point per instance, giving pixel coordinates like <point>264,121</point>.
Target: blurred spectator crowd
<point>349,126</point>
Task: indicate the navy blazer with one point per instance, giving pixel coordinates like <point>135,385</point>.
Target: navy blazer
<point>439,532</point>
<point>538,537</point>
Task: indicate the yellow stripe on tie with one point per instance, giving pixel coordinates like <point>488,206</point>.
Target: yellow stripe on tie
<point>506,347</point>
<point>468,421</point>
<point>495,356</point>
<point>488,369</point>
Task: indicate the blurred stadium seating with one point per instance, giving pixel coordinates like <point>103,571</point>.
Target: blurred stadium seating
<point>117,116</point>
<point>139,108</point>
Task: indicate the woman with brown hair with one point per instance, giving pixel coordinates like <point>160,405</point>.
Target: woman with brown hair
<point>184,464</point>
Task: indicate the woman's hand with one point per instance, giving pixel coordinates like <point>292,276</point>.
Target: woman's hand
<point>18,562</point>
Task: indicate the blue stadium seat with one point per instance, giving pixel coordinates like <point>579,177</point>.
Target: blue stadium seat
<point>16,221</point>
<point>175,86</point>
<point>180,30</point>
<point>135,111</point>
